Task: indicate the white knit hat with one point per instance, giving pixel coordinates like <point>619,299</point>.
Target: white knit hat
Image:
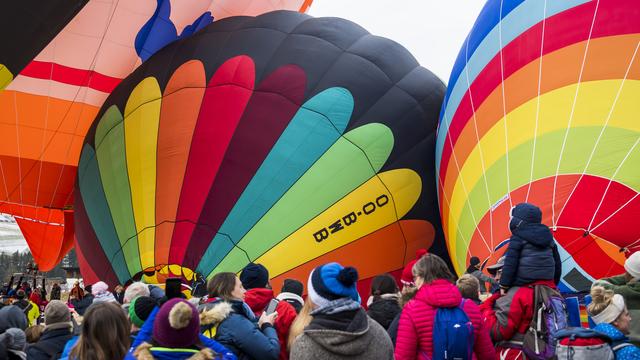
<point>632,265</point>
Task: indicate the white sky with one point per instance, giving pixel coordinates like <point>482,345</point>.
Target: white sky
<point>432,30</point>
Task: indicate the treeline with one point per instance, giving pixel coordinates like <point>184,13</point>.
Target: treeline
<point>22,262</point>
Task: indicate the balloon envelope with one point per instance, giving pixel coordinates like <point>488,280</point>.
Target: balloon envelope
<point>542,107</point>
<point>281,139</point>
<point>71,55</point>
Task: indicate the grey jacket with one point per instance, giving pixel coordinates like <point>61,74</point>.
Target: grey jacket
<point>347,335</point>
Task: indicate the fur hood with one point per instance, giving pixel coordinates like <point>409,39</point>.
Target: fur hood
<point>214,312</point>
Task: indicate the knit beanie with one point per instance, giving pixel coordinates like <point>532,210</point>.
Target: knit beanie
<point>525,213</point>
<point>632,265</point>
<point>407,274</point>
<point>99,288</point>
<point>177,324</point>
<point>14,339</point>
<point>56,312</point>
<point>292,286</point>
<point>254,276</point>
<point>140,308</point>
<point>474,261</point>
<point>332,281</point>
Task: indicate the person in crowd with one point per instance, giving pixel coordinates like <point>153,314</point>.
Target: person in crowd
<point>118,294</point>
<point>339,327</point>
<point>255,280</point>
<point>383,300</point>
<point>76,291</point>
<point>474,269</point>
<point>139,310</point>
<point>96,343</point>
<point>611,316</point>
<point>496,272</point>
<point>300,322</point>
<point>628,285</point>
<point>101,293</point>
<point>532,254</point>
<point>291,292</point>
<point>37,298</point>
<point>436,290</point>
<point>30,310</point>
<point>57,331</point>
<point>12,316</point>
<point>407,293</point>
<point>15,341</point>
<point>33,333</point>
<point>133,291</point>
<point>469,288</point>
<point>55,291</point>
<point>12,291</point>
<point>173,332</point>
<point>82,304</point>
<point>230,320</point>
<point>27,288</point>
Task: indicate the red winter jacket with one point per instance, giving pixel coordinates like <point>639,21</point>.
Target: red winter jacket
<point>415,332</point>
<point>258,299</point>
<point>507,317</point>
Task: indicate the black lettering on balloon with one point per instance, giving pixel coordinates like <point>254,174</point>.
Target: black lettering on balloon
<point>368,208</point>
<point>336,226</point>
<point>382,200</point>
<point>321,235</point>
<point>350,218</point>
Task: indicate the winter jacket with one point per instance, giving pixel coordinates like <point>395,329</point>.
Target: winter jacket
<point>344,335</point>
<point>258,299</point>
<point>630,291</point>
<point>393,329</point>
<point>82,305</point>
<point>145,335</point>
<point>51,343</point>
<point>236,327</point>
<point>415,331</point>
<point>508,316</point>
<point>532,255</point>
<point>624,353</point>
<point>12,317</point>
<point>384,310</point>
<point>55,292</point>
<point>483,279</point>
<point>294,299</point>
<point>30,310</point>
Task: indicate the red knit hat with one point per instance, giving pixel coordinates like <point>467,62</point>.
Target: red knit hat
<point>407,274</point>
<point>177,324</point>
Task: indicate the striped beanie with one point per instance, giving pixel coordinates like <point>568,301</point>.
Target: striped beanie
<point>140,309</point>
<point>332,281</point>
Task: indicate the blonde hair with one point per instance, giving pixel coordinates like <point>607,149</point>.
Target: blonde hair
<point>300,322</point>
<point>600,299</point>
<point>468,286</point>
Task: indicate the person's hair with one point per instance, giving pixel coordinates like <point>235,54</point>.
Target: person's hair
<point>383,284</point>
<point>222,285</point>
<point>406,295</point>
<point>104,335</point>
<point>431,267</point>
<point>469,286</point>
<point>33,333</point>
<point>300,322</point>
<point>600,299</point>
<point>134,290</point>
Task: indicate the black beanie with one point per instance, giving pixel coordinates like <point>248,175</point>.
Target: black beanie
<point>292,286</point>
<point>254,276</point>
<point>140,309</point>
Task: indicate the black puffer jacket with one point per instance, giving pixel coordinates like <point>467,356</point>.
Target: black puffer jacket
<point>51,343</point>
<point>384,311</point>
<point>532,255</point>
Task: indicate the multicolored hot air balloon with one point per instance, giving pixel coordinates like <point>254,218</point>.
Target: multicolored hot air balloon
<point>48,107</point>
<point>543,107</point>
<point>281,139</point>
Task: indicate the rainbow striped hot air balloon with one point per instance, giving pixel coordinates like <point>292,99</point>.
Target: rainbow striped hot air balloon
<point>281,139</point>
<point>543,107</point>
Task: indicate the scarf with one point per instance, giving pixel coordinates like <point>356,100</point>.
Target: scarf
<point>337,306</point>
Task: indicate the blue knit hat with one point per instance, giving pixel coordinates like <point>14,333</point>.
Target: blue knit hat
<point>332,281</point>
<point>524,213</point>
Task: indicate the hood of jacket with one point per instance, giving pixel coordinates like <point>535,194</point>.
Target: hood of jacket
<point>258,299</point>
<point>217,310</point>
<point>12,317</point>
<point>611,331</point>
<point>345,333</point>
<point>535,234</point>
<point>439,293</point>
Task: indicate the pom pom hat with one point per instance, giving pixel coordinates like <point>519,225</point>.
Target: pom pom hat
<point>407,275</point>
<point>332,281</point>
<point>177,324</point>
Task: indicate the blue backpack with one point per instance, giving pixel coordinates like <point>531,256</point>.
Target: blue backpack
<point>452,334</point>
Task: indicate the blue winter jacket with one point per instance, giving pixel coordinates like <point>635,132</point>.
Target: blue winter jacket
<point>532,255</point>
<point>237,329</point>
<point>623,353</point>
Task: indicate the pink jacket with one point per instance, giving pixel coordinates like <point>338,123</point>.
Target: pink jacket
<point>415,331</point>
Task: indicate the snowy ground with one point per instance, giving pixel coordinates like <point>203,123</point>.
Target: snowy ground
<point>11,238</point>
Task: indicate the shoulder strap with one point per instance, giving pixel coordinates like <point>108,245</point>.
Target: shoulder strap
<point>617,346</point>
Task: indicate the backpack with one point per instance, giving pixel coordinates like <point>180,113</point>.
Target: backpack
<point>452,334</point>
<point>581,343</point>
<point>549,317</point>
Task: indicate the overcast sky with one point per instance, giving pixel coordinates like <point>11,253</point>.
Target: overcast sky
<point>433,31</point>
